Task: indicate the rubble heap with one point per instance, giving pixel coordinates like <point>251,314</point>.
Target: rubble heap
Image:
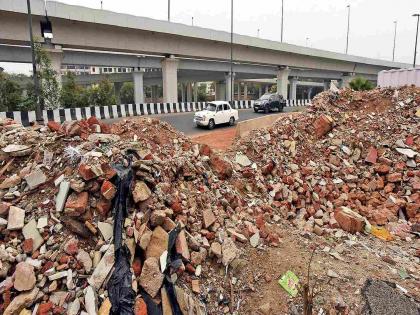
<point>58,187</point>
<point>350,162</point>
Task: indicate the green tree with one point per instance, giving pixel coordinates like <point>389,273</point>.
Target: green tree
<point>71,93</point>
<point>10,93</point>
<point>127,93</point>
<point>102,94</point>
<point>361,84</point>
<point>201,92</point>
<point>49,87</point>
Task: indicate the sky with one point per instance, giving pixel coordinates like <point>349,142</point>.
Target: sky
<point>319,24</point>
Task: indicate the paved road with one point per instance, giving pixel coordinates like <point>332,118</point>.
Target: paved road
<point>184,121</point>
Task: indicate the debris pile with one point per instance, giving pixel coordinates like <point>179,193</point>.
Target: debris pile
<point>59,188</point>
<point>351,161</point>
<point>76,229</point>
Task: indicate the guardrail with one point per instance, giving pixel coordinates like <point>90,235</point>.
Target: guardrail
<point>124,110</point>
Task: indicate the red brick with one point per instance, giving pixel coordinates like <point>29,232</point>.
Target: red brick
<point>108,190</point>
<point>394,177</point>
<point>109,172</point>
<point>86,172</point>
<point>54,126</point>
<point>349,221</point>
<point>382,169</point>
<point>205,150</point>
<point>268,168</point>
<point>71,247</point>
<point>412,209</point>
<point>176,206</point>
<point>4,209</point>
<point>103,206</point>
<point>140,307</point>
<point>409,140</point>
<point>322,125</point>
<point>77,203</point>
<point>220,167</point>
<point>28,245</point>
<point>45,308</point>
<point>372,155</point>
<point>92,120</point>
<point>137,267</point>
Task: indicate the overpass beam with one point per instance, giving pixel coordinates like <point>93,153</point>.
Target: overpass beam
<point>283,80</point>
<point>346,78</point>
<point>170,79</point>
<point>138,86</point>
<point>293,86</point>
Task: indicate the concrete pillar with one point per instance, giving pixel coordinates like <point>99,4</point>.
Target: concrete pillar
<point>189,92</point>
<point>220,88</point>
<point>195,91</point>
<point>327,84</point>
<point>117,89</point>
<point>155,95</point>
<point>239,91</point>
<point>56,55</point>
<point>259,91</point>
<point>292,91</point>
<point>229,79</point>
<point>182,86</point>
<point>170,79</point>
<point>266,89</point>
<point>138,86</point>
<point>345,79</point>
<point>245,91</point>
<point>282,81</point>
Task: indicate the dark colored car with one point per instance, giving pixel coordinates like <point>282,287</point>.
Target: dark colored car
<point>269,102</point>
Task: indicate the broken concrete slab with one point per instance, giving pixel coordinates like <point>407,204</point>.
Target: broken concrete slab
<point>16,218</point>
<point>103,269</point>
<point>30,231</point>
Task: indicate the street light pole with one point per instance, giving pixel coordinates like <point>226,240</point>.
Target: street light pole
<point>169,10</point>
<point>282,19</point>
<point>417,35</point>
<point>395,38</point>
<point>192,21</point>
<point>307,40</point>
<point>348,29</point>
<point>38,109</point>
<point>258,32</point>
<point>231,52</point>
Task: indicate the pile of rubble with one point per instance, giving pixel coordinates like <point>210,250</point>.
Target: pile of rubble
<point>58,189</point>
<point>350,162</point>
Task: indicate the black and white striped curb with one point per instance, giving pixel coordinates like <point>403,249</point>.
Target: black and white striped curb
<point>125,110</point>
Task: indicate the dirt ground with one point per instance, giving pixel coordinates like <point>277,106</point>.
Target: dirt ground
<point>218,139</point>
<point>359,260</point>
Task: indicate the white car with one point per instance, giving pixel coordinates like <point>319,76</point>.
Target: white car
<point>215,113</point>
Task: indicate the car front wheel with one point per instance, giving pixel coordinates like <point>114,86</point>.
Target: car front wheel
<point>231,121</point>
<point>255,110</point>
<point>211,124</point>
<point>266,110</point>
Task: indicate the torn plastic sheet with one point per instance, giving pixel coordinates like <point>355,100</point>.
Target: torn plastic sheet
<point>120,291</point>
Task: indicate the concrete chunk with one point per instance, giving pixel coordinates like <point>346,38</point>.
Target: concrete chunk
<point>16,219</point>
<point>61,198</point>
<point>103,269</point>
<point>30,231</point>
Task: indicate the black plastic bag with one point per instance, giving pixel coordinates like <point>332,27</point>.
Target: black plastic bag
<point>120,290</point>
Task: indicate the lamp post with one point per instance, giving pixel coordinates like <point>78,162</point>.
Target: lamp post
<point>169,10</point>
<point>307,41</point>
<point>102,5</point>
<point>231,52</point>
<point>258,32</point>
<point>395,38</point>
<point>38,108</point>
<point>348,29</point>
<point>417,35</point>
<point>282,20</point>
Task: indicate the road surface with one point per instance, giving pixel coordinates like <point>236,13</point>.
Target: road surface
<point>184,121</point>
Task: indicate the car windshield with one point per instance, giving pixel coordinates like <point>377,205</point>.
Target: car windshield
<point>211,107</point>
<point>265,97</point>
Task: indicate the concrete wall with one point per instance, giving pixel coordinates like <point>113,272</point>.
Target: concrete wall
<point>401,77</point>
